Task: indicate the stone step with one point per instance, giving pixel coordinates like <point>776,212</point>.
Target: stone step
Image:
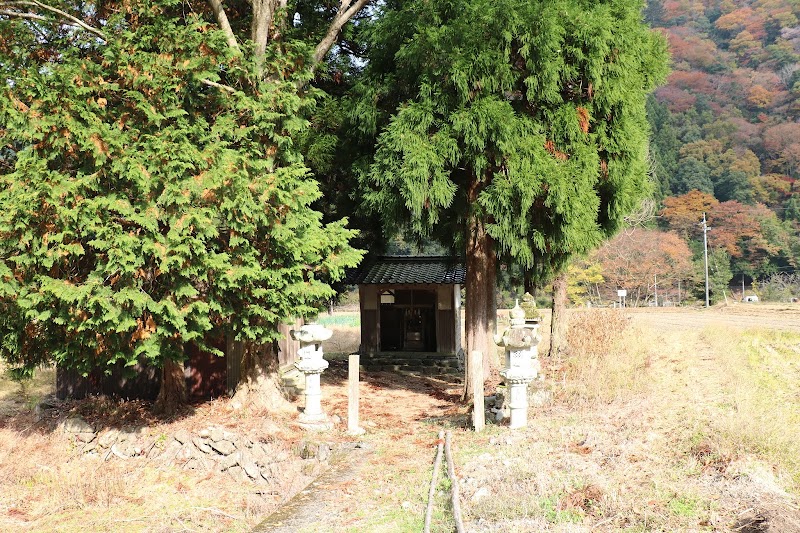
<point>411,369</point>
<point>422,356</point>
<point>451,362</point>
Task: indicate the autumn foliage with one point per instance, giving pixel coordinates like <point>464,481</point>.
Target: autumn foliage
<point>638,259</point>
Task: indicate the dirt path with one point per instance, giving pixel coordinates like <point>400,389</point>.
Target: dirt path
<point>401,414</point>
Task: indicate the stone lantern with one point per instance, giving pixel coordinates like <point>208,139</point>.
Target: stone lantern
<point>521,342</point>
<point>311,363</point>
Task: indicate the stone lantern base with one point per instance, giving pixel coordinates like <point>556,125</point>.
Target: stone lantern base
<point>315,422</point>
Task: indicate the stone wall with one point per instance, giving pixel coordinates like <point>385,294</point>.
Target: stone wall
<point>210,449</point>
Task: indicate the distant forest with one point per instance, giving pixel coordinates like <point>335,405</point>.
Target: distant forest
<point>726,125</point>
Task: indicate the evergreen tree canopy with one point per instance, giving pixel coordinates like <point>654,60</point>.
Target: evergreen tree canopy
<point>530,116</point>
<point>512,130</point>
<point>144,204</point>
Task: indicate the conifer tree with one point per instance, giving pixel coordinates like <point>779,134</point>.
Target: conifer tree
<point>515,131</point>
<point>151,186</point>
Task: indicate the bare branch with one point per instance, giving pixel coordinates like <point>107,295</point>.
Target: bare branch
<point>17,14</point>
<point>226,88</point>
<point>69,19</point>
<point>346,12</point>
<point>222,19</point>
<point>645,213</point>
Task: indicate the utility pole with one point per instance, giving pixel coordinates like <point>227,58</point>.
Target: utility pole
<point>655,287</point>
<point>705,253</point>
<point>742,286</point>
<point>679,292</point>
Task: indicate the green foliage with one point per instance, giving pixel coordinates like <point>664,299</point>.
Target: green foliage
<point>145,208</point>
<point>664,145</point>
<point>792,209</point>
<point>719,275</point>
<point>349,320</point>
<point>582,278</point>
<point>692,175</point>
<point>780,287</point>
<point>685,506</point>
<point>530,116</point>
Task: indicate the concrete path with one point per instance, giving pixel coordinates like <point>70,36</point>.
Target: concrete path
<point>318,507</point>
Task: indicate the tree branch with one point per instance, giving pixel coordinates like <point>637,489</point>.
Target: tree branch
<point>71,20</point>
<point>226,88</point>
<point>17,14</point>
<point>222,19</point>
<point>346,12</point>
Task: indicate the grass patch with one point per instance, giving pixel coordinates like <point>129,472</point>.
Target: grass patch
<point>341,319</point>
<point>556,513</point>
<point>763,369</point>
<point>684,506</point>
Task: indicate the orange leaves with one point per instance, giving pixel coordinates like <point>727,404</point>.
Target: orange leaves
<point>123,120</point>
<point>684,212</point>
<point>99,143</point>
<point>732,223</point>
<point>19,105</point>
<point>550,146</point>
<point>760,97</point>
<point>144,328</point>
<point>633,257</point>
<point>583,119</point>
<point>695,81</point>
<point>161,249</point>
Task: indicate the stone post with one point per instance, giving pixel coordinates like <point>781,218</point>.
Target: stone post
<point>311,363</point>
<point>352,395</point>
<point>521,342</point>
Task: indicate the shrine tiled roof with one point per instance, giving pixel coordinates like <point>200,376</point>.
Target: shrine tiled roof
<point>388,270</point>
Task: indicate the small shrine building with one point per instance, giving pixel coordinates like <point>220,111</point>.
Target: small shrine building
<point>410,305</point>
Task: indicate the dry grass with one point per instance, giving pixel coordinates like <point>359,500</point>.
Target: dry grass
<point>607,359</point>
<point>761,411</point>
<point>651,429</point>
<point>48,484</point>
<point>660,426</point>
<point>15,396</point>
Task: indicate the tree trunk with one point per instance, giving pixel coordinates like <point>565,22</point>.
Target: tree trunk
<point>558,321</point>
<point>491,291</point>
<point>172,393</point>
<point>480,293</point>
<point>259,385</point>
<point>527,284</point>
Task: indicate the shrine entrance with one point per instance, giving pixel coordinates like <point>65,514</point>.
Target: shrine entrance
<point>408,320</point>
<point>410,313</point>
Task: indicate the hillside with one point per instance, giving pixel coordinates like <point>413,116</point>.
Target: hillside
<point>726,123</point>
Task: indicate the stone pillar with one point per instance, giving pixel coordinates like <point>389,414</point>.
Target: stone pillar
<point>521,342</point>
<point>311,363</point>
<point>352,395</point>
